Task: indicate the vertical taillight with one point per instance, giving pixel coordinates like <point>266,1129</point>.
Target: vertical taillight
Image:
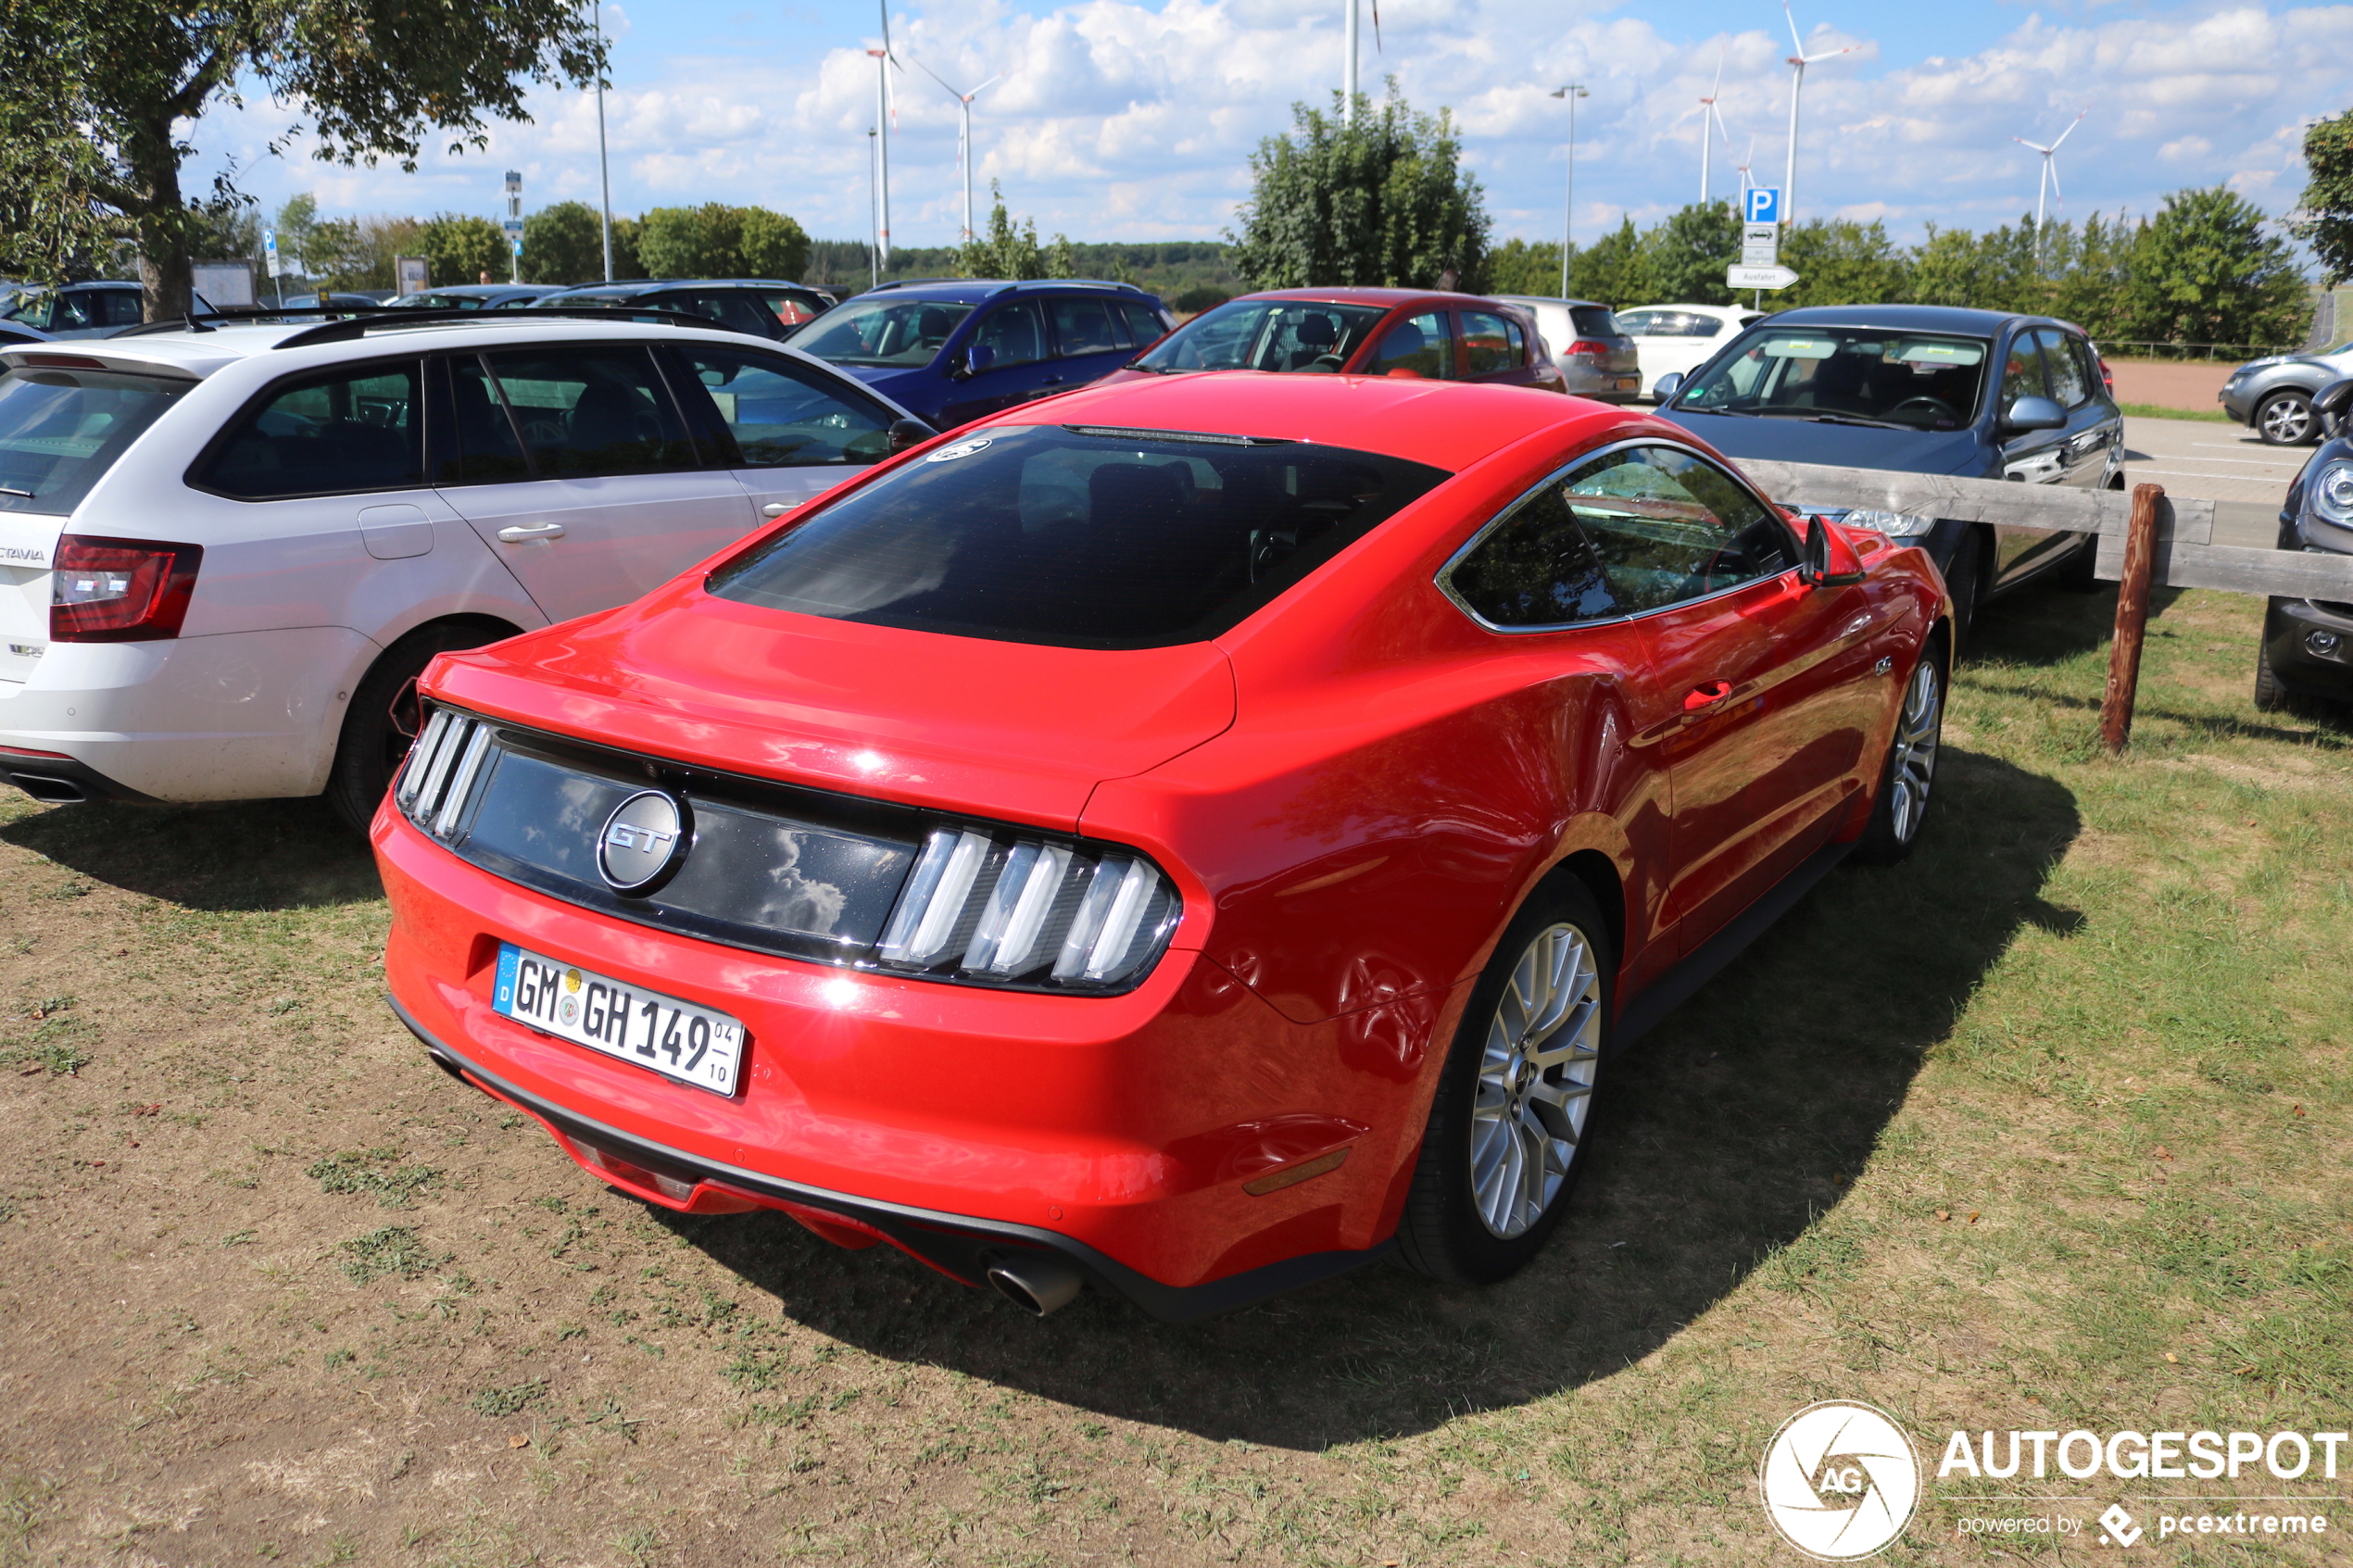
<point>119,589</point>
<point>1072,915</point>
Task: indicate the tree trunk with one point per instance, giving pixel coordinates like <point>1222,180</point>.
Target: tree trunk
<point>162,219</point>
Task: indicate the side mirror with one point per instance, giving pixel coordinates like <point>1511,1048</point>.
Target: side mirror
<point>1831,561</point>
<point>2034,413</point>
<point>2334,404</point>
<point>904,434</point>
<point>1668,386</point>
<point>973,361</point>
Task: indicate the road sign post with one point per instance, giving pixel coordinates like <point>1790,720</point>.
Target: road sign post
<point>1761,245</point>
<point>1758,277</point>
<point>513,225</point>
<point>1764,205</point>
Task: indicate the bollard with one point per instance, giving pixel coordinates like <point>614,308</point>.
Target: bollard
<point>2132,619</point>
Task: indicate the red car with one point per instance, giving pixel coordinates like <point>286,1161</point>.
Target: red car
<point>1405,333</point>
<point>1190,837</point>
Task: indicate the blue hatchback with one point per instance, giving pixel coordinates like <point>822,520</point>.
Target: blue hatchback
<point>953,352</point>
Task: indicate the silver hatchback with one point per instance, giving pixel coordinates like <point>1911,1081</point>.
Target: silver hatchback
<point>1599,360</point>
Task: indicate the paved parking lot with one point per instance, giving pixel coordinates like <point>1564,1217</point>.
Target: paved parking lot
<point>2221,462</point>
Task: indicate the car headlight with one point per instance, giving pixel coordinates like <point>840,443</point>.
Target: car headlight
<point>2331,494</point>
<point>1084,916</point>
<point>1895,525</point>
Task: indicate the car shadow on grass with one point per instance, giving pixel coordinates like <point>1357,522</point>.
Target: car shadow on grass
<point>233,854</point>
<point>2043,624</point>
<point>1726,1132</point>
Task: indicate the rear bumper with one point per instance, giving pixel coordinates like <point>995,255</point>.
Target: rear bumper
<point>58,780</point>
<point>964,1247</point>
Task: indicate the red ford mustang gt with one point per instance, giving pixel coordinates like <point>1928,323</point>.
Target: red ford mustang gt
<point>1189,838</point>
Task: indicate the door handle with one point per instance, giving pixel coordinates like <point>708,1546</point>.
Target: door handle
<point>1706,695</point>
<point>777,509</point>
<point>524,533</point>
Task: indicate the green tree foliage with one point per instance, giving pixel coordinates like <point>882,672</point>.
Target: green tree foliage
<point>1011,251</point>
<point>718,241</point>
<point>564,243</point>
<point>2205,272</point>
<point>1525,267</point>
<point>1839,262</point>
<point>1380,201</point>
<point>1686,255</point>
<point>90,95</point>
<point>1614,268</point>
<point>2325,219</point>
<point>460,248</point>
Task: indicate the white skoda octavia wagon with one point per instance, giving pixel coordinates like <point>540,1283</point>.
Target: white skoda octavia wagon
<point>226,555</point>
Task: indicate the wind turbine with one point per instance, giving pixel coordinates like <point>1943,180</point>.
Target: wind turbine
<point>1798,62</point>
<point>964,135</point>
<point>884,116</point>
<point>2050,175</point>
<point>1709,121</point>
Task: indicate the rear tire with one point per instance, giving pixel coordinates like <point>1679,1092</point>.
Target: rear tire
<point>1908,779</point>
<point>1513,1116</point>
<point>384,715</point>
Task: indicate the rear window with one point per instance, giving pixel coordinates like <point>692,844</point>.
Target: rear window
<point>1078,537</point>
<point>61,430</point>
<point>1594,321</point>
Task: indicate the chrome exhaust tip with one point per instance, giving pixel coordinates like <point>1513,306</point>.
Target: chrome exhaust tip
<point>1038,1285</point>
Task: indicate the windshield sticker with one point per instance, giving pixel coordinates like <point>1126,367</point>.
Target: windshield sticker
<point>962,449</point>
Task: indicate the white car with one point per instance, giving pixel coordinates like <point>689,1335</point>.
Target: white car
<point>1679,339</point>
<point>227,555</point>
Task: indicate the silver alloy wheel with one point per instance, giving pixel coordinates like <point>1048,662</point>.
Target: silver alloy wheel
<point>1535,1081</point>
<point>2287,420</point>
<point>1914,765</point>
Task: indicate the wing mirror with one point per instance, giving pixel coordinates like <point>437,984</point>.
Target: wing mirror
<point>2034,413</point>
<point>1668,386</point>
<point>973,361</point>
<point>1831,561</point>
<point>2334,404</point>
<point>904,434</point>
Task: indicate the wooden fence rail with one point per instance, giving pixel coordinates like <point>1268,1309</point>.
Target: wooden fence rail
<point>2148,540</point>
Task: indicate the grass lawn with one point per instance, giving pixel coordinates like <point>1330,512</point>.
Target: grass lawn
<point>2157,411</point>
<point>2047,1129</point>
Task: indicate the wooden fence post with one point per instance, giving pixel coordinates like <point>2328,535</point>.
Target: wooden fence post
<point>2132,619</point>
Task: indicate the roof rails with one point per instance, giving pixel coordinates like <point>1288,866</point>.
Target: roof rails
<point>1004,287</point>
<point>358,324</point>
<point>205,321</point>
<point>911,283</point>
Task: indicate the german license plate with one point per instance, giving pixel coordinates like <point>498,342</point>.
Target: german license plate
<point>677,1039</point>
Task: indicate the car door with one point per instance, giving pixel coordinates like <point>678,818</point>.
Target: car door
<point>786,429</point>
<point>1014,335</point>
<point>575,465</point>
<point>2033,457</point>
<point>1764,672</point>
<point>2094,427</point>
<point>1090,340</point>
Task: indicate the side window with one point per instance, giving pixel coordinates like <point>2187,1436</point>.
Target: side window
<point>2066,369</point>
<point>1419,345</point>
<point>1698,325</point>
<point>1087,326</point>
<point>789,310</point>
<point>1667,526</point>
<point>354,429</point>
<point>781,415</point>
<point>1488,339</point>
<point>479,446</point>
<point>739,308</point>
<point>2022,371</point>
<point>1015,331</point>
<point>1142,325</point>
<point>122,307</point>
<point>1535,568</point>
<point>1641,323</point>
<point>584,412</point>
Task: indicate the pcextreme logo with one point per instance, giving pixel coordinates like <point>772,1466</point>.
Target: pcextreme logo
<point>1840,1480</point>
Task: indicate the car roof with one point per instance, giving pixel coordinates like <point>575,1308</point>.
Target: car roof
<point>648,285</point>
<point>1906,317</point>
<point>1551,299</point>
<point>1386,298</point>
<point>973,290</point>
<point>1448,425</point>
<point>203,354</point>
<point>469,291</point>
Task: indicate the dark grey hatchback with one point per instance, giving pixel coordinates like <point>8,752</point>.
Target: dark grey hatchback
<point>1922,389</point>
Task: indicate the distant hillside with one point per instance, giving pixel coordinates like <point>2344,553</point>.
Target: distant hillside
<point>1167,270</point>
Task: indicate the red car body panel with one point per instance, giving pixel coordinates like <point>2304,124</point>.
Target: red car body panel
<point>1354,790</point>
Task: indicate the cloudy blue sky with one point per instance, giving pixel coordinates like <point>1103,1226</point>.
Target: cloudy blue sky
<point>1134,119</point>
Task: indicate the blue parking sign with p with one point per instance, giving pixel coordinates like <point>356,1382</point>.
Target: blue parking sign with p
<point>1763,204</point>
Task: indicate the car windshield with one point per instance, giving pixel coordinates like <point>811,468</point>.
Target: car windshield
<point>1845,375</point>
<point>442,301</point>
<point>882,332</point>
<point>60,430</point>
<point>1078,537</point>
<point>1264,335</point>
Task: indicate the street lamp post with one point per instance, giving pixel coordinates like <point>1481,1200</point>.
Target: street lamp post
<point>604,167</point>
<point>1573,92</point>
<point>874,209</point>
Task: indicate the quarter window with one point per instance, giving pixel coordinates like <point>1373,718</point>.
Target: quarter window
<point>1491,342</point>
<point>1142,325</point>
<point>2066,369</point>
<point>585,412</point>
<point>1631,531</point>
<point>1088,326</point>
<point>779,415</point>
<point>1419,345</point>
<point>354,429</point>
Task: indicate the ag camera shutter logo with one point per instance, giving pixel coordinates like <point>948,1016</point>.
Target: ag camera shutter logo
<point>1840,1480</point>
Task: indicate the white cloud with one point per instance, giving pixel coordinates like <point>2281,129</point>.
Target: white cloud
<point>1135,118</point>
